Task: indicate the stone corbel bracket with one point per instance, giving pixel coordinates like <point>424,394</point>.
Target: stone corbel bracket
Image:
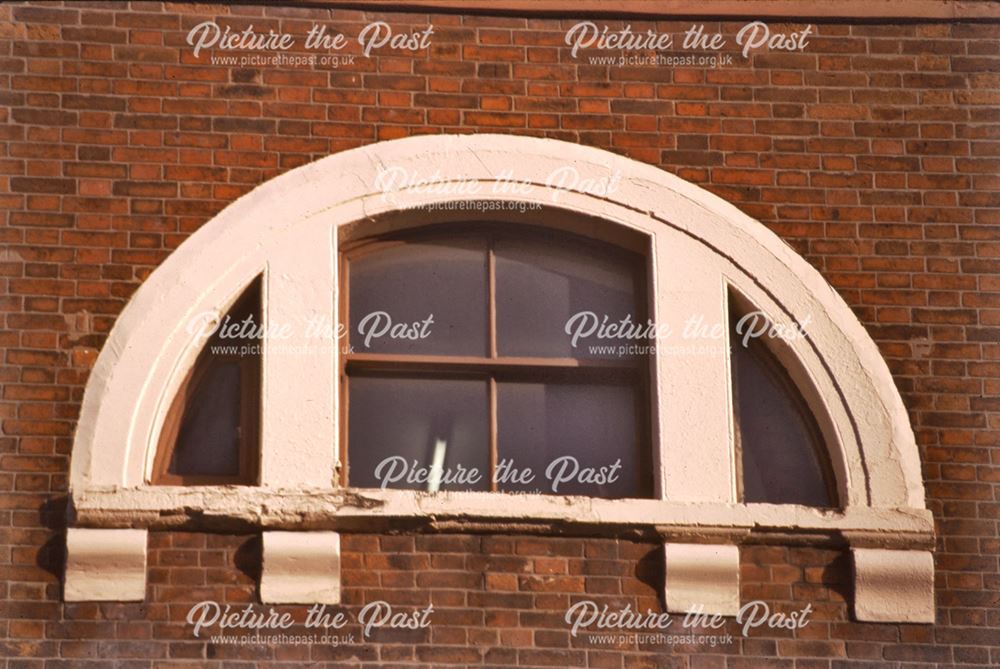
<point>702,577</point>
<point>109,565</point>
<point>893,586</point>
<point>301,568</point>
<point>105,565</point>
<point>890,586</point>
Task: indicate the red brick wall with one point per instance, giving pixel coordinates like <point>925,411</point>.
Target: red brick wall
<point>874,152</point>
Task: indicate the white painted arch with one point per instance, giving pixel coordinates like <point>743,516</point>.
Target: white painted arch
<point>288,230</point>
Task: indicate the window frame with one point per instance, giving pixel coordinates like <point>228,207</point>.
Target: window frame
<point>250,401</point>
<point>251,393</point>
<point>493,366</point>
<point>769,360</point>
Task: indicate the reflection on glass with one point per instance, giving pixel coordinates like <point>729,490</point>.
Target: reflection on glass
<point>542,284</point>
<point>540,424</point>
<point>399,428</point>
<point>422,298</point>
<point>778,437</point>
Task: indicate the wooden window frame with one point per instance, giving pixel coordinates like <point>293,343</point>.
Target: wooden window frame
<point>250,409</point>
<point>769,360</point>
<point>493,367</point>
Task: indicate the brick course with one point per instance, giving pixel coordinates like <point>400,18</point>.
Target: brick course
<point>874,153</point>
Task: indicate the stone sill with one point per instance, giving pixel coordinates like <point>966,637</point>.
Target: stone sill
<point>240,508</point>
<point>106,545</point>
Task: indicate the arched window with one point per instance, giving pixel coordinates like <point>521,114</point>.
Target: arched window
<point>211,434</point>
<point>781,453</point>
<point>786,439</point>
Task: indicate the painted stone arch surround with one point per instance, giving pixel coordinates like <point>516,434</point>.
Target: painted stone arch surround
<point>698,245</point>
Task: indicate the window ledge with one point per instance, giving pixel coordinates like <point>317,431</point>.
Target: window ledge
<point>301,535</point>
<point>249,508</point>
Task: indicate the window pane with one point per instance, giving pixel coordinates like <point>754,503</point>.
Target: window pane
<point>215,415</point>
<point>542,283</point>
<point>778,436</point>
<point>539,424</point>
<point>393,292</point>
<point>208,443</point>
<point>412,424</point>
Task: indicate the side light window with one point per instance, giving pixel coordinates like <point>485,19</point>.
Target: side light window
<point>211,432</point>
<point>780,448</point>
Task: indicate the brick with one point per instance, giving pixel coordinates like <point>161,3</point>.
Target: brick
<point>873,152</point>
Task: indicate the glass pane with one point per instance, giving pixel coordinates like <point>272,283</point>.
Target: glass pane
<point>208,443</point>
<point>422,298</point>
<point>217,423</point>
<point>778,435</point>
<point>576,439</point>
<point>542,284</point>
<point>418,433</point>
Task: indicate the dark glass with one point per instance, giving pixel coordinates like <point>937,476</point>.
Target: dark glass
<point>542,283</point>
<point>411,420</point>
<point>208,443</point>
<point>411,423</point>
<point>780,442</point>
<point>539,423</point>
<point>393,291</point>
<point>215,420</point>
